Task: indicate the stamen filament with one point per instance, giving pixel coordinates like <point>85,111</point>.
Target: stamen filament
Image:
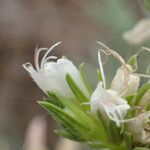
<point>36,57</point>
<point>101,69</point>
<point>48,51</point>
<point>115,54</point>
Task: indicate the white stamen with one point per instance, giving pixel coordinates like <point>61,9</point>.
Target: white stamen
<point>27,66</point>
<point>101,69</point>
<point>115,54</point>
<point>142,75</point>
<point>145,49</point>
<point>106,54</point>
<point>36,57</point>
<point>144,115</point>
<point>51,57</point>
<point>102,44</point>
<point>48,51</point>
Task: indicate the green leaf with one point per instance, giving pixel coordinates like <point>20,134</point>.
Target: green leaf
<point>133,61</point>
<point>72,125</point>
<point>75,89</point>
<point>84,78</point>
<point>128,140</point>
<point>76,119</point>
<point>85,118</point>
<point>54,99</point>
<point>141,92</point>
<point>99,75</point>
<point>67,135</point>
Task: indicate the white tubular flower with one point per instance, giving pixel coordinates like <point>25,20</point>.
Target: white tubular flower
<point>109,103</point>
<point>140,129</point>
<point>125,82</point>
<point>51,75</point>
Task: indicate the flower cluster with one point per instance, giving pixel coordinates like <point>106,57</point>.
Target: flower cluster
<point>115,118</point>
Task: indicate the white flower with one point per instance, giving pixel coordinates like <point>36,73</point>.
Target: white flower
<point>125,82</point>
<point>51,76</point>
<point>139,127</point>
<point>109,103</point>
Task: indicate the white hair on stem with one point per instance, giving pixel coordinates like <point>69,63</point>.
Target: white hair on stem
<point>101,69</point>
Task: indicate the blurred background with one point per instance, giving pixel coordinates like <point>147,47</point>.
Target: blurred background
<point>78,24</point>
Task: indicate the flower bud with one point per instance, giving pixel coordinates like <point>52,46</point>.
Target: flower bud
<point>125,82</point>
<point>139,127</point>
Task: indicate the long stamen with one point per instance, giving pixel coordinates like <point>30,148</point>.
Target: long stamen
<point>51,57</point>
<point>36,57</point>
<point>27,66</point>
<point>106,54</point>
<point>115,54</point>
<point>102,44</point>
<point>146,49</point>
<point>143,75</point>
<point>144,115</point>
<point>48,51</point>
<point>101,69</point>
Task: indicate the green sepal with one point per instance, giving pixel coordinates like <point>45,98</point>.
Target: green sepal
<point>85,119</point>
<point>76,119</point>
<point>54,99</point>
<point>128,140</point>
<point>75,89</point>
<point>104,124</point>
<point>69,136</point>
<point>96,145</point>
<point>133,61</point>
<point>116,137</point>
<point>69,123</point>
<point>141,92</point>
<point>84,78</point>
<point>130,99</point>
